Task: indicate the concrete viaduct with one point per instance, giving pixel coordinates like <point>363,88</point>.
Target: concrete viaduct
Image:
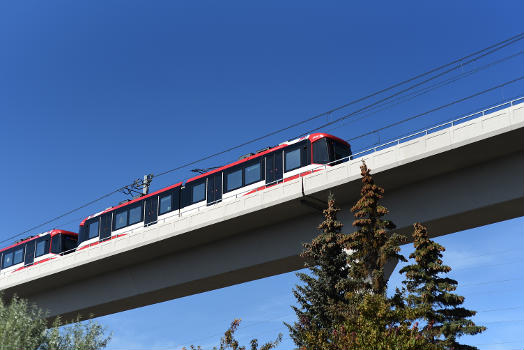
<point>456,176</point>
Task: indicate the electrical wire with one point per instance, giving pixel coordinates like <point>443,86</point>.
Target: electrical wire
<point>415,94</point>
<point>486,266</point>
<point>437,108</point>
<point>490,282</point>
<point>485,51</point>
<point>365,108</point>
<point>503,309</point>
<point>61,216</point>
<point>491,49</point>
<point>505,251</point>
<point>506,342</point>
<point>502,321</point>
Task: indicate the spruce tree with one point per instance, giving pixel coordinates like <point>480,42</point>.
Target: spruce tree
<point>326,259</point>
<point>375,326</point>
<point>430,295</point>
<point>372,245</point>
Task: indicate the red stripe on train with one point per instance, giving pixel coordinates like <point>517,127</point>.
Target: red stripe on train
<point>33,264</point>
<point>98,242</point>
<point>285,180</point>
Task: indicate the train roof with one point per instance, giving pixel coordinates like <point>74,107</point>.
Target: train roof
<point>311,137</point>
<point>130,202</point>
<point>52,233</point>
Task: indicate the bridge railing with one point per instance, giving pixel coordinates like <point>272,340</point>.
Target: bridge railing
<point>439,127</point>
<point>187,214</point>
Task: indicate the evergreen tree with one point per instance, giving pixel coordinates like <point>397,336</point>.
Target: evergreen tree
<point>326,259</point>
<point>430,295</point>
<point>372,245</point>
<point>375,326</point>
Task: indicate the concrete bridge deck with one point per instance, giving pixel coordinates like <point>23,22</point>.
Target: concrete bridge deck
<point>457,176</point>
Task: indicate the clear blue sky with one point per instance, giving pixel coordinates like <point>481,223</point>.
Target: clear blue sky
<point>94,94</point>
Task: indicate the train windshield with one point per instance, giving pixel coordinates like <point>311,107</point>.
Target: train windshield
<point>68,243</point>
<point>63,243</point>
<point>327,150</point>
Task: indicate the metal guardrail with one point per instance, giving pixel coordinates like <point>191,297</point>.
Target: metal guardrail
<point>442,126</point>
<point>172,218</point>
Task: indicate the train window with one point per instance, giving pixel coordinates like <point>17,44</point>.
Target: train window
<point>234,180</point>
<point>105,225</point>
<point>18,256</point>
<point>252,173</point>
<point>165,204</point>
<point>321,152</point>
<point>199,192</point>
<point>92,230</point>
<point>120,220</point>
<point>8,260</point>
<point>135,214</point>
<point>329,151</point>
<point>68,243</point>
<point>340,150</point>
<point>40,248</point>
<point>292,159</point>
<point>56,245</point>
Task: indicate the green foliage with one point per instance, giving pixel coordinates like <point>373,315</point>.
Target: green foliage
<point>23,326</point>
<point>228,341</point>
<point>376,326</point>
<point>430,294</point>
<point>372,245</point>
<point>326,259</point>
<point>78,336</point>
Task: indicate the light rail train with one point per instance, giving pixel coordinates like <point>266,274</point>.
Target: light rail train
<point>253,172</point>
<point>37,249</point>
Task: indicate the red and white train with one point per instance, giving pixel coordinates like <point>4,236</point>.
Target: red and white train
<point>37,249</point>
<point>253,172</point>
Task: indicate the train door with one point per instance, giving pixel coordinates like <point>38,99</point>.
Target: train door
<point>274,168</point>
<point>151,211</point>
<point>29,253</point>
<point>105,226</point>
<point>214,188</point>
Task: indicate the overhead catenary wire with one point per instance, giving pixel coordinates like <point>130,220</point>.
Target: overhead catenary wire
<point>408,97</point>
<point>484,52</point>
<point>487,265</point>
<point>499,343</point>
<point>367,107</point>
<point>490,50</point>
<point>63,215</point>
<point>490,282</point>
<point>502,309</point>
<point>437,108</point>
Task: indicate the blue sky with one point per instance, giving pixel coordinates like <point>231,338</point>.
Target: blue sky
<point>94,94</point>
